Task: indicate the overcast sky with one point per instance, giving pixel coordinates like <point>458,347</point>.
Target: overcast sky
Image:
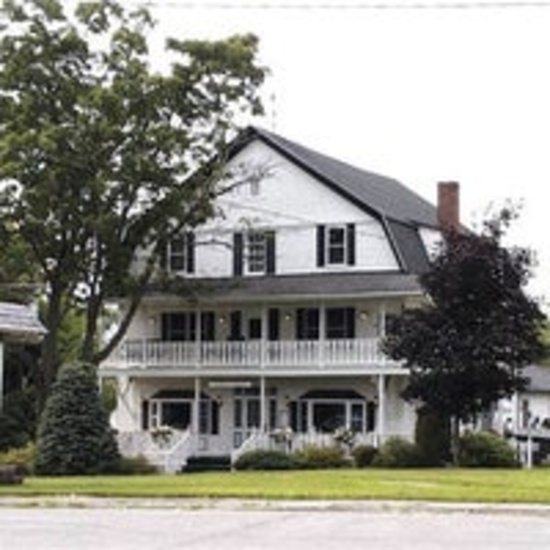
<point>422,95</point>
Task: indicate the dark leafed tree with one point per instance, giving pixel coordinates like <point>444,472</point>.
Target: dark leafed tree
<point>97,148</point>
<point>467,346</point>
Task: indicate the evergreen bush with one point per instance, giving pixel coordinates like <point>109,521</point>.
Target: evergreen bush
<point>312,457</point>
<point>265,460</point>
<point>74,437</point>
<point>397,452</point>
<point>485,450</point>
<point>363,455</point>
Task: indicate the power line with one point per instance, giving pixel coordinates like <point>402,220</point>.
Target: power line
<point>351,6</point>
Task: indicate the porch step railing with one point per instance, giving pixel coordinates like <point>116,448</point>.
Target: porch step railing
<point>168,452</point>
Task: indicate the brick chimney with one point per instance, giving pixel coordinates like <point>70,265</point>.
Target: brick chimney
<point>448,207</point>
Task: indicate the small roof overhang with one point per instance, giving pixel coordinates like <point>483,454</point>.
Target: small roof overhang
<point>20,323</point>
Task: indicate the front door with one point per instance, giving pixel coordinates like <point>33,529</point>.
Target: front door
<point>246,418</point>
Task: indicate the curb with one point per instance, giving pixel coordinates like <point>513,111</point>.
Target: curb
<point>236,505</point>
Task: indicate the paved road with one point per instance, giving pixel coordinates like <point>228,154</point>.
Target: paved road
<point>208,528</point>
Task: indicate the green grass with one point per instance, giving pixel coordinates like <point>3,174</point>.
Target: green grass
<point>449,485</point>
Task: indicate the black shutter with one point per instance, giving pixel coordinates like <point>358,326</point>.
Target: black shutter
<point>293,413</point>
<point>145,414</point>
<point>165,326</point>
<point>191,327</point>
<point>238,254</point>
<point>320,245</point>
<point>190,252</point>
<point>351,243</point>
<point>215,418</point>
<point>235,325</point>
<point>270,251</point>
<point>208,326</point>
<point>350,322</point>
<point>300,315</point>
<point>164,255</point>
<point>273,324</point>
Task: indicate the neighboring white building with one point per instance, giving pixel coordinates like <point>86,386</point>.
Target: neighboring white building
<point>292,286</point>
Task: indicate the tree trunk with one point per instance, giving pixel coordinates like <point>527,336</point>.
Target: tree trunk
<point>49,356</point>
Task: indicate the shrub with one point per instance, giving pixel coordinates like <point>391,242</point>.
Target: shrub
<point>265,460</point>
<point>363,455</point>
<point>23,458</point>
<point>135,465</point>
<point>74,437</point>
<point>397,452</point>
<point>485,450</point>
<point>312,457</point>
<point>432,437</point>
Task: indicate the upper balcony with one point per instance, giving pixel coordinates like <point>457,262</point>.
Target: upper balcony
<point>291,357</point>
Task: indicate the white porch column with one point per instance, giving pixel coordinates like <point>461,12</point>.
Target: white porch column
<point>198,337</point>
<point>1,375</point>
<point>263,424</point>
<point>322,333</point>
<point>196,408</point>
<point>381,423</point>
<point>263,339</point>
<point>382,322</point>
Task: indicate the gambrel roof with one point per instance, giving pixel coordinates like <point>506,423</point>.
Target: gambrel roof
<point>400,210</point>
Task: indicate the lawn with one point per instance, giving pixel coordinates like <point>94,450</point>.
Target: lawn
<point>445,485</point>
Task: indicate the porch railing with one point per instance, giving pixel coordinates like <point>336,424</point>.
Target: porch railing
<point>254,354</point>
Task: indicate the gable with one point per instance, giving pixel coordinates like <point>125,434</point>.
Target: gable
<point>380,194</point>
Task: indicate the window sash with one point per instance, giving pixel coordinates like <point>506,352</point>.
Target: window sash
<point>257,252</point>
<point>336,245</point>
<point>177,254</point>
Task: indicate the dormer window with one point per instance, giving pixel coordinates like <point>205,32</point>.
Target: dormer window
<point>335,245</point>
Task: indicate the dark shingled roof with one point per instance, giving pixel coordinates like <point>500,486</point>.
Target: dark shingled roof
<point>401,210</point>
<point>279,287</point>
<point>19,322</point>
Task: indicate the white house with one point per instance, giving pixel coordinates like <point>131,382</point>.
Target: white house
<point>292,285</point>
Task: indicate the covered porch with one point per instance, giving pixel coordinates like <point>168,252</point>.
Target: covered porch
<point>207,416</point>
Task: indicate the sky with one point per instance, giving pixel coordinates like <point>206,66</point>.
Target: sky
<point>458,92</point>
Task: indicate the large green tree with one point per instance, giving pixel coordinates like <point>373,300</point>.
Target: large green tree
<point>98,150</point>
<point>467,346</point>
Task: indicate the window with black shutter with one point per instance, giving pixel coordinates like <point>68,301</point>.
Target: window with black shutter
<point>340,323</point>
<point>336,245</point>
<point>179,326</point>
<point>179,256</point>
<point>307,324</point>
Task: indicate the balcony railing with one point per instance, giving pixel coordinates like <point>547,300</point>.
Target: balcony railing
<point>256,354</point>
